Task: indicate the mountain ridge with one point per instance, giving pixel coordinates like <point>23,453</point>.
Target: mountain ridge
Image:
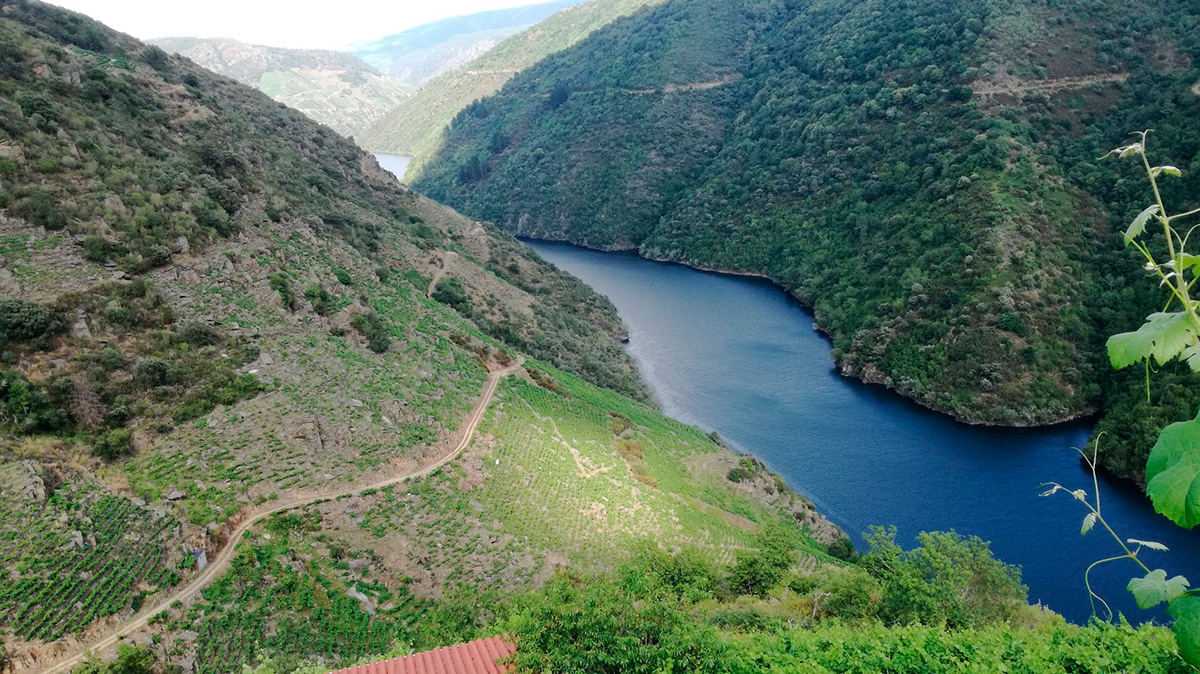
<point>925,185</point>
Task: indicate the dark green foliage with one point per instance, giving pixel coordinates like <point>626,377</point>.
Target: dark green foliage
<point>157,58</point>
<point>758,571</point>
<point>343,276</point>
<point>30,408</point>
<point>559,95</point>
<point>450,291</point>
<point>22,321</point>
<point>957,247</point>
<point>281,284</point>
<point>375,329</point>
<point>113,445</point>
<point>948,579</point>
<point>843,549</point>
<point>130,660</point>
<point>598,627</point>
<point>321,299</point>
<point>197,334</point>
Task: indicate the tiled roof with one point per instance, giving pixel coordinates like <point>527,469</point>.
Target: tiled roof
<point>473,657</point>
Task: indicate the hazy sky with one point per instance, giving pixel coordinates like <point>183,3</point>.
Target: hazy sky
<point>279,23</point>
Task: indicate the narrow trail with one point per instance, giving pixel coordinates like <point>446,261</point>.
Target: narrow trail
<point>447,258</point>
<point>1060,84</point>
<point>75,655</point>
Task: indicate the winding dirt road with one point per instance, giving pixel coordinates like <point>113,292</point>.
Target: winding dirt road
<point>72,657</point>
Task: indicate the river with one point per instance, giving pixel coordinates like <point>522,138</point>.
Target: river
<point>396,164</point>
<point>738,356</point>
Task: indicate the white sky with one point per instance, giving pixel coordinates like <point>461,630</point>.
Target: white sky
<point>278,23</point>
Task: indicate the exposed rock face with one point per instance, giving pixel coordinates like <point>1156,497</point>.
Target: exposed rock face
<point>30,485</point>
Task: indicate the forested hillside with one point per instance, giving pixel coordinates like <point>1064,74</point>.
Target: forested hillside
<point>264,409</point>
<point>333,88</point>
<point>925,175</point>
<point>213,309</point>
<point>417,126</point>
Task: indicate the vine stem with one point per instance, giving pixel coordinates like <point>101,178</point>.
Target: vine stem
<point>1179,286</point>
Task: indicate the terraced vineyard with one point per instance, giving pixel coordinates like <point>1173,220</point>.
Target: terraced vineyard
<point>76,555</point>
<point>290,596</point>
<point>555,478</point>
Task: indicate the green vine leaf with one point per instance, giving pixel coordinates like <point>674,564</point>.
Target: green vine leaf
<point>1186,612</point>
<point>1139,224</point>
<point>1163,336</point>
<point>1173,473</point>
<point>1147,544</point>
<point>1155,589</point>
<point>1190,261</point>
<point>1191,355</point>
<point>1166,170</point>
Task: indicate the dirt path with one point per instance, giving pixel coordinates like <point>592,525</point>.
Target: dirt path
<point>437,276</point>
<point>1061,84</point>
<point>76,655</point>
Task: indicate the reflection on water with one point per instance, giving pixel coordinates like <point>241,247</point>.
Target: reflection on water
<point>738,356</point>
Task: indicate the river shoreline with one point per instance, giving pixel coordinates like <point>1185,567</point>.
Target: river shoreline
<point>864,377</point>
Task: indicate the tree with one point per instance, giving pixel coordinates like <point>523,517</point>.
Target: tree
<point>558,96</point>
<point>579,626</point>
<point>948,578</point>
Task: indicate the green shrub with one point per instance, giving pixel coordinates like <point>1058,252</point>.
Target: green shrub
<point>322,301</point>
<point>21,321</point>
<point>947,579</point>
<point>374,329</point>
<point>450,291</point>
<point>113,445</point>
<point>281,284</point>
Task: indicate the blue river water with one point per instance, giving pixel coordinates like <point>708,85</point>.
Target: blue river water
<point>738,356</point>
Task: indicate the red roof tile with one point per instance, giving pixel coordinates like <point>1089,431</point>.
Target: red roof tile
<point>473,657</point>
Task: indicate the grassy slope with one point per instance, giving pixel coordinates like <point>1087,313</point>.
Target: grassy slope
<point>213,254</point>
<point>543,486</point>
<point>416,126</point>
<point>931,230</point>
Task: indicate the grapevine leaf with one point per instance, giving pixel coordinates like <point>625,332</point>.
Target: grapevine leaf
<point>1192,356</point>
<point>1168,170</point>
<point>1088,523</point>
<point>1190,261</point>
<point>1163,336</point>
<point>1147,544</point>
<point>1139,224</point>
<point>1173,473</point>
<point>1155,589</point>
<point>1186,612</point>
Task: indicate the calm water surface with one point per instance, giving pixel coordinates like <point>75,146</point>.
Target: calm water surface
<point>738,356</point>
<point>397,164</point>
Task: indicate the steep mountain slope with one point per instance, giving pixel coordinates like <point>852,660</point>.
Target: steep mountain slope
<point>419,54</point>
<point>333,88</point>
<point>418,124</point>
<point>924,175</point>
<point>211,306</point>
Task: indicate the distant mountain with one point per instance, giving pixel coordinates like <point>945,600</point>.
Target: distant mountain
<point>923,174</point>
<point>334,88</point>
<point>416,125</point>
<point>419,54</point>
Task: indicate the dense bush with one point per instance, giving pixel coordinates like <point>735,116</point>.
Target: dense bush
<point>946,580</point>
<point>374,328</point>
<point>21,321</point>
<point>450,291</point>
